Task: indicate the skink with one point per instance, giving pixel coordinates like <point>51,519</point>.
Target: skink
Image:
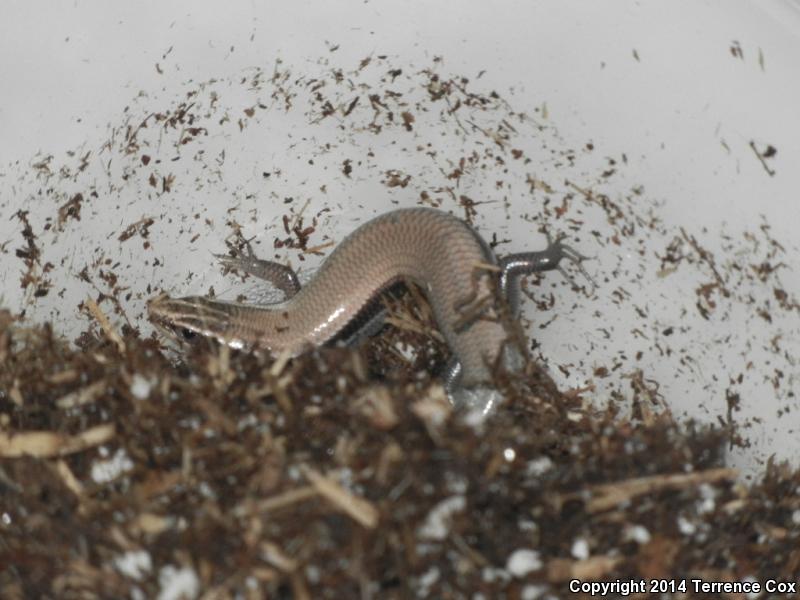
<point>467,286</point>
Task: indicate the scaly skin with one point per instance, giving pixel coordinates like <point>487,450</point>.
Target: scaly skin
<point>465,285</point>
<point>437,251</point>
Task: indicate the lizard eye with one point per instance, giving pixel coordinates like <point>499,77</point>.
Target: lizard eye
<point>188,334</point>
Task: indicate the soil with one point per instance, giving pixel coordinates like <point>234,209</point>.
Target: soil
<point>128,469</point>
<point>335,475</point>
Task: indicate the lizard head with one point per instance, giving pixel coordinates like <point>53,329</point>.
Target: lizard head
<point>189,319</point>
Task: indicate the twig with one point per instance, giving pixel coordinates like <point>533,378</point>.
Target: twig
<point>278,502</point>
<point>361,510</point>
<point>83,396</point>
<point>769,171</point>
<point>68,477</point>
<point>47,444</point>
<point>105,324</point>
<point>318,248</point>
<point>585,193</point>
<point>607,496</point>
<point>707,258</point>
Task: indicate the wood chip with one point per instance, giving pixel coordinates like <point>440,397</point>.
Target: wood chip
<point>69,479</point>
<point>151,523</point>
<point>277,558</point>
<point>47,444</point>
<point>85,395</point>
<point>375,403</point>
<point>594,568</point>
<point>362,511</point>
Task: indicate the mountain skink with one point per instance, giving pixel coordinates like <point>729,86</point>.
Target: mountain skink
<point>467,285</point>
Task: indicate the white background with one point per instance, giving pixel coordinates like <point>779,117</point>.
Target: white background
<point>655,81</point>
